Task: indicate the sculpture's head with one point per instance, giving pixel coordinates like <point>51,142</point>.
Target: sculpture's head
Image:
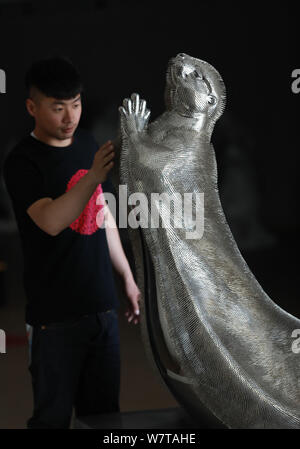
<point>194,88</point>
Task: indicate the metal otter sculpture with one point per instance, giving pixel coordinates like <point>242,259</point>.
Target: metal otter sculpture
<point>221,345</point>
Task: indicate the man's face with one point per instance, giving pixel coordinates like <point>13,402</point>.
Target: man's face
<point>54,118</point>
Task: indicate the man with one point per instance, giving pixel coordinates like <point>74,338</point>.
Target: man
<point>54,177</point>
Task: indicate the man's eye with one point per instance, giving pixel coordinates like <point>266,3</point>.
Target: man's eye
<point>58,109</point>
<point>76,105</point>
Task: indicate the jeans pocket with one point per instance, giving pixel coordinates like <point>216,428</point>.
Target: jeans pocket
<point>61,325</point>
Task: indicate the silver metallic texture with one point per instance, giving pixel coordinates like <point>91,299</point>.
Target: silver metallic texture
<point>221,345</point>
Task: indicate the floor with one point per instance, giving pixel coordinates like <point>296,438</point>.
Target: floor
<point>141,388</point>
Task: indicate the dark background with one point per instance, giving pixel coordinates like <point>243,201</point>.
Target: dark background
<point>122,47</point>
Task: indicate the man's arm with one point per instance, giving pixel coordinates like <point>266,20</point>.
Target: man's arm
<point>121,265</point>
<point>53,216</point>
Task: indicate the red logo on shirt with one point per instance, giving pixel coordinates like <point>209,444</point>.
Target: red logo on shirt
<point>91,218</point>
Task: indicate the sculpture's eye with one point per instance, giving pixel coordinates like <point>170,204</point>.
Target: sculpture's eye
<point>211,99</point>
<point>181,55</point>
<point>198,75</point>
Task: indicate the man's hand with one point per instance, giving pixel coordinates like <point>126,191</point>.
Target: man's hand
<point>133,295</point>
<point>102,162</point>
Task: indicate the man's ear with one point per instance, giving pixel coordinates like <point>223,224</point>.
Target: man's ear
<point>30,106</point>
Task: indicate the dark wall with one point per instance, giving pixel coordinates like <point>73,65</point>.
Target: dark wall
<point>122,47</point>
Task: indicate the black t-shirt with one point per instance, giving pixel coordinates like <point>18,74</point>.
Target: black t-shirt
<point>69,274</point>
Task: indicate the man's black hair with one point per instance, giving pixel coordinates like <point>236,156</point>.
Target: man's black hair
<point>55,77</point>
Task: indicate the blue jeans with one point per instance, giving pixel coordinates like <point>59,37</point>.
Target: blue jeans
<point>74,363</point>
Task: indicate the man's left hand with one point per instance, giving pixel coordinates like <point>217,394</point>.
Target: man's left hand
<point>133,295</point>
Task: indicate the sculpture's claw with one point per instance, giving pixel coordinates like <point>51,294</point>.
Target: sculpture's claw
<point>135,103</point>
<point>134,115</point>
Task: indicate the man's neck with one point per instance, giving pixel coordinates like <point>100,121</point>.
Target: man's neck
<point>49,140</point>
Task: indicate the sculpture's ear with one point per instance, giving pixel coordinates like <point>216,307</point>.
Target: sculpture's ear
<point>211,100</point>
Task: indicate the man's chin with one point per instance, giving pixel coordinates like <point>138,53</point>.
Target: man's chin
<point>66,134</point>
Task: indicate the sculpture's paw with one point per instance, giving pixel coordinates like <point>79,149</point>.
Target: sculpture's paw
<point>134,115</point>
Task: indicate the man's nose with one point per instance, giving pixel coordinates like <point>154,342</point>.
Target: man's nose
<point>68,116</point>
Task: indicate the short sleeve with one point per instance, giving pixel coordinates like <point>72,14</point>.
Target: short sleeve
<point>23,181</point>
